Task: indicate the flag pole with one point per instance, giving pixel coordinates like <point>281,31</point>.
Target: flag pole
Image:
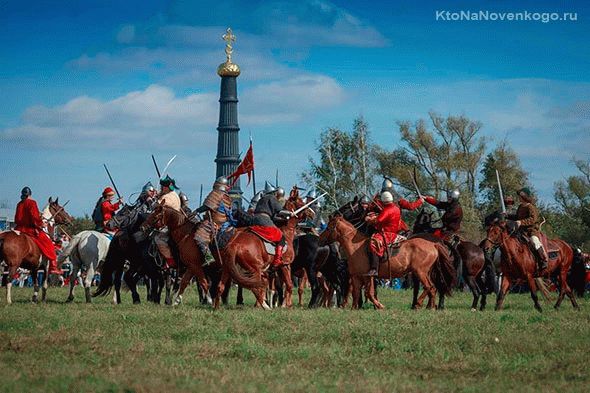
<point>253,170</point>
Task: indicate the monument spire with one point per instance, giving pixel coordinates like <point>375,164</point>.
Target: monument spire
<point>228,142</point>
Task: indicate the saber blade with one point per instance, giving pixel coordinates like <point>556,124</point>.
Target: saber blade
<point>502,204</point>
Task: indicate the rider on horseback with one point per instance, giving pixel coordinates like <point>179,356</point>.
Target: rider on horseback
<point>313,220</point>
<point>387,224</point>
<point>104,210</point>
<point>452,217</point>
<point>148,197</point>
<point>267,209</point>
<point>401,202</point>
<point>28,220</point>
<point>170,199</point>
<point>219,216</point>
<point>527,220</point>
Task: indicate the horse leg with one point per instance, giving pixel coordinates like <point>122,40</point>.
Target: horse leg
<point>45,282</point>
<point>533,287</point>
<point>11,274</point>
<point>168,284</point>
<point>117,285</point>
<point>565,289</point>
<point>356,292</point>
<point>503,291</point>
<point>131,282</point>
<point>186,279</point>
<point>370,294</point>
<point>240,296</point>
<point>73,276</point>
<point>441,301</point>
<point>428,290</point>
<point>88,283</point>
<point>225,278</point>
<point>286,274</point>
<point>415,290</point>
<point>475,291</point>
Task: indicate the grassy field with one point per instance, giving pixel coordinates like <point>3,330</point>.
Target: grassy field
<point>100,347</point>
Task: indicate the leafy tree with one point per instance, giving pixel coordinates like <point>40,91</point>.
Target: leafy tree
<point>80,224</point>
<point>513,177</point>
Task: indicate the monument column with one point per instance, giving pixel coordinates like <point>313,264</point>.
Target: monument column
<point>228,142</point>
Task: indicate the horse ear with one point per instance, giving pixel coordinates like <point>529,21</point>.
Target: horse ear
<point>50,200</point>
<point>57,201</point>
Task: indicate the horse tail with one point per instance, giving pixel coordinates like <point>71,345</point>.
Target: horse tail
<point>543,287</point>
<point>244,280</point>
<point>66,252</point>
<point>108,269</point>
<point>443,273</point>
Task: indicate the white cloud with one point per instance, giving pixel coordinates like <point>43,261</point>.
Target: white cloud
<point>156,116</point>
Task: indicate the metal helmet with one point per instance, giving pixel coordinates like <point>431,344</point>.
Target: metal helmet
<point>386,197</point>
<point>25,193</point>
<point>311,194</point>
<point>147,188</point>
<point>183,198</point>
<point>268,188</point>
<point>365,200</point>
<point>387,184</point>
<point>453,195</point>
<point>221,183</point>
<point>280,192</point>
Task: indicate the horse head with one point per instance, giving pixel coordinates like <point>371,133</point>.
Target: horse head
<point>336,228</point>
<point>155,220</point>
<point>58,213</point>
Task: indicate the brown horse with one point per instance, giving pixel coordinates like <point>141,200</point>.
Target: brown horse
<point>182,233</point>
<point>518,262</point>
<point>246,251</point>
<point>428,261</point>
<point>20,250</point>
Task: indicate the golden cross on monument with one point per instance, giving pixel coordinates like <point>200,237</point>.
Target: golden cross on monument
<point>228,37</point>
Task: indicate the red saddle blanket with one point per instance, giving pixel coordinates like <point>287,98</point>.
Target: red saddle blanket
<point>270,234</point>
<point>44,243</point>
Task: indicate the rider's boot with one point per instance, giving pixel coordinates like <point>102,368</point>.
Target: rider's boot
<point>373,265</point>
<point>53,267</point>
<point>542,259</point>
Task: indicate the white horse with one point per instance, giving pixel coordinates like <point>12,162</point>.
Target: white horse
<point>85,250</point>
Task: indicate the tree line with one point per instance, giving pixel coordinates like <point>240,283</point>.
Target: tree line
<point>443,153</point>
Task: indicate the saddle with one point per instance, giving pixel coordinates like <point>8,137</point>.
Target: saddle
<point>552,253</point>
<point>266,237</point>
<point>392,248</point>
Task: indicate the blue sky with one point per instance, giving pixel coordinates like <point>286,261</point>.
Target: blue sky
<point>84,83</point>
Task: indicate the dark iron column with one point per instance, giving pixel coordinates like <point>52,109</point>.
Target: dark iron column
<point>228,140</point>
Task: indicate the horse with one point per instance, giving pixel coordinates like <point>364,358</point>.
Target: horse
<point>519,262</point>
<point>86,251</point>
<point>428,261</point>
<point>182,232</point>
<point>245,250</point>
<point>20,250</point>
<point>131,255</point>
<point>470,263</point>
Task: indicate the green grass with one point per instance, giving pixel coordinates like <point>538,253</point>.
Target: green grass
<point>101,347</point>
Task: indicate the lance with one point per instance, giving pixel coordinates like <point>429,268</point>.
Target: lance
<point>277,179</point>
<point>201,196</point>
<point>112,181</point>
<point>501,193</point>
<point>167,166</point>
<point>308,204</point>
<point>156,165</point>
<point>413,176</point>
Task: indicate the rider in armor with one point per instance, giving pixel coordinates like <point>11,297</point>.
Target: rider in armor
<point>387,224</point>
<point>280,193</point>
<point>218,214</point>
<point>148,197</point>
<point>387,185</point>
<point>313,222</point>
<point>452,217</point>
<point>28,220</point>
<point>527,220</point>
<point>267,209</point>
<point>169,198</point>
<point>184,204</point>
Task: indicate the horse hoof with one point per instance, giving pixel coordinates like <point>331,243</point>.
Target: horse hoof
<point>70,299</point>
<point>35,299</point>
<point>538,308</point>
<point>473,309</point>
<point>136,302</point>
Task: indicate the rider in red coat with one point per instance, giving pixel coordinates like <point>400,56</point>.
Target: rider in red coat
<point>107,207</point>
<point>387,224</point>
<point>28,220</point>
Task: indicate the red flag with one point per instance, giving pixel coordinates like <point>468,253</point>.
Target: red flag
<point>245,167</point>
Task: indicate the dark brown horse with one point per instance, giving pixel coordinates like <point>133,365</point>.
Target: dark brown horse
<point>518,262</point>
<point>428,261</point>
<point>182,233</point>
<point>245,260</point>
<point>470,263</point>
<point>20,250</point>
